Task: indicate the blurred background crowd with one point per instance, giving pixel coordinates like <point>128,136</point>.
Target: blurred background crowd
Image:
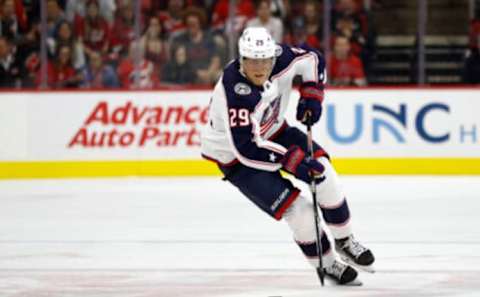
<point>148,44</point>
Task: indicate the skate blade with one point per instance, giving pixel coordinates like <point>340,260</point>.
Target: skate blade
<point>366,268</point>
<point>354,283</point>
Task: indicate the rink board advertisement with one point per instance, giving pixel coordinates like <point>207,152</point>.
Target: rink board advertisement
<point>366,131</point>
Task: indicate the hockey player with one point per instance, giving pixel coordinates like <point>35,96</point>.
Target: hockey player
<point>249,139</point>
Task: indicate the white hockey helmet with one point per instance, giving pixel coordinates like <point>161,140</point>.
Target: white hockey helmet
<point>256,43</point>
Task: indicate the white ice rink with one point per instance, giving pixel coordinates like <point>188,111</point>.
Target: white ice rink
<point>199,237</point>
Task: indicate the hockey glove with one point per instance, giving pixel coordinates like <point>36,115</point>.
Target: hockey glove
<point>301,166</point>
<point>310,103</point>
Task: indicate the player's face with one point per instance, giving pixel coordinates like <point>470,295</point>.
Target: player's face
<point>257,70</point>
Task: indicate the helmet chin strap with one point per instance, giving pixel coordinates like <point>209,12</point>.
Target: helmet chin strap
<point>241,67</point>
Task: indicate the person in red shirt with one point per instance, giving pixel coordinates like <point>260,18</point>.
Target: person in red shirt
<point>244,11</point>
<point>305,28</point>
<point>345,68</point>
<point>142,77</point>
<point>172,18</point>
<point>123,32</point>
<point>93,30</point>
<point>351,20</point>
<point>61,73</point>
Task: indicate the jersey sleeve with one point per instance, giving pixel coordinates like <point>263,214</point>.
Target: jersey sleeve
<point>243,132</point>
<point>307,62</point>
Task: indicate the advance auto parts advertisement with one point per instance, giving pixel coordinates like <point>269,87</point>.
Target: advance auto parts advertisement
<point>126,126</point>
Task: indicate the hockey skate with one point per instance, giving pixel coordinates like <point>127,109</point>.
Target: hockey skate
<point>342,274</point>
<point>354,253</point>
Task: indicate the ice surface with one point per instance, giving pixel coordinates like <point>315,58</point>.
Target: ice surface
<point>200,237</point>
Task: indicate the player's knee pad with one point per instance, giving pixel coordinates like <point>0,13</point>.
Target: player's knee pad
<point>300,219</point>
<point>332,201</point>
<point>329,192</point>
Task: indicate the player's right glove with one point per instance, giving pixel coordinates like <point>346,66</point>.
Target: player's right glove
<point>301,166</point>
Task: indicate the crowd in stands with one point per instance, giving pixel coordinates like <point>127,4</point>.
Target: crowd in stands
<point>93,44</point>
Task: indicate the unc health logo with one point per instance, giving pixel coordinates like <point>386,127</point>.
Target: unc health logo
<point>242,89</point>
<point>427,131</point>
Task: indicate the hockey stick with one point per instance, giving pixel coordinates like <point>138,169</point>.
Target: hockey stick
<point>313,189</point>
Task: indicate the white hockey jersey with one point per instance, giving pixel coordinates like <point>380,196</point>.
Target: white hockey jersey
<point>243,118</point>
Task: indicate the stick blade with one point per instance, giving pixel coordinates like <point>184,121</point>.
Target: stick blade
<point>321,276</point>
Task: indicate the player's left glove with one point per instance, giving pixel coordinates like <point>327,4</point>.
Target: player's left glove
<point>301,166</point>
<point>310,103</point>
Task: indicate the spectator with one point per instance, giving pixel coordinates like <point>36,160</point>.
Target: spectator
<point>11,69</point>
<point>21,14</point>
<point>345,69</point>
<point>28,49</point>
<point>313,26</point>
<point>32,77</point>
<point>77,8</point>
<point>280,8</point>
<point>265,19</point>
<point>172,18</point>
<point>143,76</point>
<point>61,73</point>
<point>98,75</point>
<point>350,20</point>
<point>63,35</point>
<point>306,29</point>
<point>349,9</point>
<point>243,12</point>
<point>155,45</point>
<point>122,34</point>
<point>201,50</point>
<point>32,12</point>
<point>295,8</point>
<point>346,27</point>
<point>9,26</point>
<point>178,70</point>
<point>54,16</point>
<point>93,30</point>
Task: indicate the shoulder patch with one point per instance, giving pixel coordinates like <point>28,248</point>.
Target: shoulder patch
<point>278,51</point>
<point>242,89</point>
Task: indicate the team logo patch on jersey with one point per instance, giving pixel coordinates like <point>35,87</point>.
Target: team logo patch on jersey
<point>242,89</point>
<point>278,51</point>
